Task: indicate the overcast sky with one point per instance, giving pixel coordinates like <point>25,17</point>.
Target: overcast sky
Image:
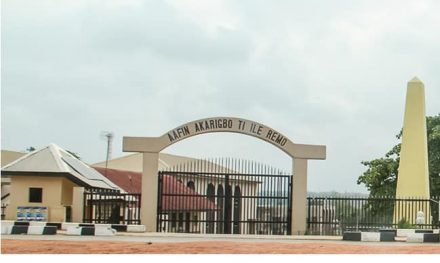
<point>321,72</point>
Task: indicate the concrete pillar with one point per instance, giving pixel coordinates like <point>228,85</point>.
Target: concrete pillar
<point>299,196</point>
<point>149,191</point>
<point>413,175</point>
<point>78,204</point>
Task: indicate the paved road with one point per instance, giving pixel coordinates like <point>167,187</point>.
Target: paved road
<point>173,238</point>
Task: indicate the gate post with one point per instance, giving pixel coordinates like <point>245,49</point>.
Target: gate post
<point>78,204</point>
<point>299,196</point>
<point>149,190</point>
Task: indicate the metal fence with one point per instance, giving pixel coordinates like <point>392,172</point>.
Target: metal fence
<point>111,208</point>
<point>3,212</point>
<point>334,215</point>
<point>224,196</point>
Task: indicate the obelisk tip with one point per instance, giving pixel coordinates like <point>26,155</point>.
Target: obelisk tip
<point>415,79</point>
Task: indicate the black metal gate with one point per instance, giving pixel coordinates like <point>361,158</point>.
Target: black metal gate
<point>107,207</point>
<point>224,196</point>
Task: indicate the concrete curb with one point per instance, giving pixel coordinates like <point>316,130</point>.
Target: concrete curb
<point>90,231</point>
<point>29,230</point>
<point>117,227</point>
<point>423,238</point>
<point>30,223</point>
<point>407,232</point>
<point>65,225</point>
<point>387,236</point>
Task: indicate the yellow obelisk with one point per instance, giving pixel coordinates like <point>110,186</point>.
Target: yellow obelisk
<point>413,175</point>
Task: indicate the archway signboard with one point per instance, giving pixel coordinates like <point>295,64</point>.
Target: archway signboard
<point>151,146</point>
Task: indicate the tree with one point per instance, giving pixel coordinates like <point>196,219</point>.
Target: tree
<point>30,149</point>
<point>433,125</point>
<point>380,178</point>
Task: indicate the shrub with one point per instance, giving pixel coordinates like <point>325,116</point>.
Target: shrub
<point>404,224</point>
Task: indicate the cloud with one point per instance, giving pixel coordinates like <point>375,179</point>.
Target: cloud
<point>321,72</point>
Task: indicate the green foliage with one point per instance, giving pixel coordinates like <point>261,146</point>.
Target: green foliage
<point>30,149</point>
<point>433,129</point>
<point>405,224</point>
<point>380,178</point>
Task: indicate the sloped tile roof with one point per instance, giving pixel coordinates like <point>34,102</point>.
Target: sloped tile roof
<point>127,180</point>
<point>53,160</point>
<point>175,195</point>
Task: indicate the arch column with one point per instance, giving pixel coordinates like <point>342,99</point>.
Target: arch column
<point>299,196</point>
<point>149,190</point>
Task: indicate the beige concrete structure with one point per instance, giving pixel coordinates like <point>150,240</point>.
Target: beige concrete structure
<point>134,162</point>
<point>151,146</point>
<point>77,204</point>
<point>59,177</point>
<point>413,175</point>
<point>10,156</point>
<point>57,195</point>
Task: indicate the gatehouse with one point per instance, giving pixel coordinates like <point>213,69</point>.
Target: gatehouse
<point>222,207</point>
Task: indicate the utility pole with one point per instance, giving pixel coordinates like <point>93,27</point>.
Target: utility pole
<point>109,137</point>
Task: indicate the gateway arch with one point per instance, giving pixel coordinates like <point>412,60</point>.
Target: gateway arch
<point>151,146</point>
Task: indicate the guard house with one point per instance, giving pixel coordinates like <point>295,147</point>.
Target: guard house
<point>48,185</point>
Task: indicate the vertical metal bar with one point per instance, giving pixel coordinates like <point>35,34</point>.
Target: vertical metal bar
<point>176,199</point>
<point>227,227</point>
<point>103,212</point>
<point>253,201</point>
<point>286,201</point>
<point>289,202</point>
<point>127,201</point>
<point>191,198</point>
<point>269,199</point>
<point>400,210</point>
<point>98,211</point>
<point>85,197</point>
<point>405,208</point>
<point>245,187</point>
<point>159,202</point>
<point>93,215</point>
<point>264,206</point>
<point>272,200</point>
<point>215,177</point>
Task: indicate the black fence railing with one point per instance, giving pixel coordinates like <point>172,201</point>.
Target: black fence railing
<point>334,215</point>
<point>3,212</point>
<point>111,208</point>
<point>224,197</point>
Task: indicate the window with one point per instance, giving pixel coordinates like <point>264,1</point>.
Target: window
<point>35,195</point>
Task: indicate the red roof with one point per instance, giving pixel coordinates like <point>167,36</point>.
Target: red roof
<point>172,200</point>
<point>129,181</point>
<point>172,190</point>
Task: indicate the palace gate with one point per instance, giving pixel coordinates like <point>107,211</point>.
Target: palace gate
<point>212,215</point>
<point>224,196</point>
